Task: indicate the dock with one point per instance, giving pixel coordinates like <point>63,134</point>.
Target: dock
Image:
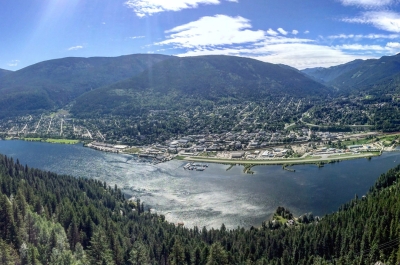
<point>195,166</point>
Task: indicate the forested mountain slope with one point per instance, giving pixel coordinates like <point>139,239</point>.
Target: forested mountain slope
<point>52,84</point>
<point>325,75</point>
<point>375,76</point>
<point>189,81</point>
<point>4,72</point>
<point>368,73</point>
<point>51,219</point>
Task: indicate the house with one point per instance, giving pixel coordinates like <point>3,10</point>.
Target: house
<point>265,154</point>
<point>253,144</point>
<point>238,144</point>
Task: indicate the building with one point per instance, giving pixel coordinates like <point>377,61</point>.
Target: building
<point>237,155</point>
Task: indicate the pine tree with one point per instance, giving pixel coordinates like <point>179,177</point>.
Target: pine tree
<point>139,255</point>
<point>177,256</point>
<point>217,255</point>
<point>5,254</point>
<point>99,251</point>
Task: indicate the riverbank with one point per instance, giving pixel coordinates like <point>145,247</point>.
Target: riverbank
<point>285,161</point>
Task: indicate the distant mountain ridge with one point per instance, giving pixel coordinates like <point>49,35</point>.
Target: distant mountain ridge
<point>4,72</point>
<point>369,74</point>
<point>178,82</point>
<point>375,76</point>
<point>325,75</point>
<point>55,83</point>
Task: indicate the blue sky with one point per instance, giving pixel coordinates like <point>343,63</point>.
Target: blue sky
<point>307,33</point>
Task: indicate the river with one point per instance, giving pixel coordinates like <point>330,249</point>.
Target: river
<point>214,196</point>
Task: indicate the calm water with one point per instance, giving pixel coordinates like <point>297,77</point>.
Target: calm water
<point>214,196</point>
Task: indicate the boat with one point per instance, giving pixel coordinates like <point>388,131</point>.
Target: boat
<point>187,166</point>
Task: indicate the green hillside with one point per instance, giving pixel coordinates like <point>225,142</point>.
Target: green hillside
<point>193,81</point>
<point>51,219</point>
<point>55,83</point>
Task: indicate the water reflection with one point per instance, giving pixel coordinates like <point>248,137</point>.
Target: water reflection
<point>214,196</point>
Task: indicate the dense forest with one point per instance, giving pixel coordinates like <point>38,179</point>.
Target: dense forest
<point>56,219</point>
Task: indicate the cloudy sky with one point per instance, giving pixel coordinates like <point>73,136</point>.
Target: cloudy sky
<point>302,34</point>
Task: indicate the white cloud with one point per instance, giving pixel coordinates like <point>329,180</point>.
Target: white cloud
<point>13,63</point>
<point>367,3</point>
<point>74,48</point>
<point>367,36</point>
<point>224,35</point>
<point>149,7</point>
<point>384,20</point>
<point>393,45</point>
<point>301,55</point>
<point>137,37</point>
<point>295,32</point>
<point>298,55</point>
<point>282,31</point>
<point>208,31</point>
<point>360,47</point>
<point>306,32</point>
<point>272,32</point>
<point>388,49</point>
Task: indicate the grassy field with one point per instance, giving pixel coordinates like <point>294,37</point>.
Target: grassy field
<point>358,142</point>
<point>53,141</point>
<point>385,139</point>
<point>133,150</point>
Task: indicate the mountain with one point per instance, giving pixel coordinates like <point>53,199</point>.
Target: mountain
<point>369,73</point>
<point>192,81</point>
<point>4,72</point>
<point>55,83</point>
<point>373,76</point>
<point>325,75</point>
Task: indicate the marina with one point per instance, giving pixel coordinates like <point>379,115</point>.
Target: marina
<point>195,166</point>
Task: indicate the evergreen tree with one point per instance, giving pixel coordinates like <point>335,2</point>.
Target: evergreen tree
<point>99,250</point>
<point>217,255</point>
<point>139,255</point>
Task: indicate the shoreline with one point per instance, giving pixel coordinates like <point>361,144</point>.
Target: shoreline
<point>288,161</point>
<point>49,140</point>
<point>317,160</point>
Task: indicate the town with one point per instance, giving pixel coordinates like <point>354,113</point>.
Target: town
<point>282,128</point>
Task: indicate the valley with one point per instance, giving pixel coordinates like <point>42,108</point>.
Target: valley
<point>235,99</point>
<point>200,132</point>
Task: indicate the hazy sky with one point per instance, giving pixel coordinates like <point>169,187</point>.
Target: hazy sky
<point>301,34</point>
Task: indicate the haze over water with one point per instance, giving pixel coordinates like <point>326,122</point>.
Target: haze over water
<point>214,196</point>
